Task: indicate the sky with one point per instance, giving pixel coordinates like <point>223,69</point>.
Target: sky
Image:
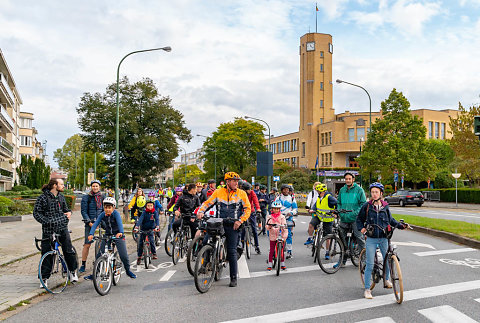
<point>235,58</point>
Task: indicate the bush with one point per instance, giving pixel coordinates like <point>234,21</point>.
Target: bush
<point>301,204</point>
<point>465,195</point>
<point>20,208</point>
<point>70,199</point>
<point>20,188</point>
<point>4,204</point>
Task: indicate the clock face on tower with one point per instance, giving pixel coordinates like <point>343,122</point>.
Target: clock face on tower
<point>310,46</point>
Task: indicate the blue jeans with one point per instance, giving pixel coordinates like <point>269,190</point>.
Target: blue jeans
<point>371,247</point>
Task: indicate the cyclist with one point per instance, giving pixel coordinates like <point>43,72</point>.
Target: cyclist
<point>173,200</point>
<point>264,200</point>
<point>350,197</point>
<point>199,192</point>
<point>147,221</point>
<point>256,188</point>
<point>169,194</point>
<point>210,186</point>
<point>112,221</point>
<point>325,202</point>
<point>374,215</point>
<point>252,198</point>
<point>185,207</point>
<point>231,203</point>
<point>91,207</point>
<point>289,209</point>
<point>312,197</point>
<point>52,211</point>
<point>132,206</point>
<point>276,217</point>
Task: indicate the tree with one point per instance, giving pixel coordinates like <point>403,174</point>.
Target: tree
<point>397,142</point>
<point>444,156</point>
<point>194,174</point>
<point>299,178</point>
<point>237,143</point>
<point>149,126</point>
<point>33,173</point>
<point>465,144</point>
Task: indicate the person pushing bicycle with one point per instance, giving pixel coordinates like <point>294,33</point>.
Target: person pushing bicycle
<point>276,217</point>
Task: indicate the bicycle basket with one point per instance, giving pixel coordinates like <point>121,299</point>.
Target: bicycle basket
<point>215,226</point>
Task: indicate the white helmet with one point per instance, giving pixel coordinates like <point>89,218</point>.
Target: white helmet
<point>277,204</point>
<point>110,200</point>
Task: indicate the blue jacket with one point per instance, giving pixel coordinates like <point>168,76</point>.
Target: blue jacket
<point>112,224</point>
<point>158,206</point>
<point>148,220</point>
<point>264,196</point>
<point>89,208</point>
<point>382,218</point>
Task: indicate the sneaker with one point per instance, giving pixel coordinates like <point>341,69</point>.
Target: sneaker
<point>139,260</point>
<point>308,242</point>
<point>388,284</point>
<point>45,282</point>
<point>327,256</point>
<point>269,268</point>
<point>283,267</point>
<point>82,269</point>
<point>154,256</point>
<point>233,282</point>
<point>257,250</point>
<point>130,274</point>
<point>368,294</point>
<point>289,255</point>
<point>73,277</point>
<point>89,277</point>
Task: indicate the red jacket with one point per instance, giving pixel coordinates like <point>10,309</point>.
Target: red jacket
<point>252,198</point>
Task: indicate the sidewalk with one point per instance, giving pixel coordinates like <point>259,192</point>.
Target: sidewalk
<point>450,205</point>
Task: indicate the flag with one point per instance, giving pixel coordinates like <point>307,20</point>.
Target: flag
<point>316,163</point>
<point>316,7</point>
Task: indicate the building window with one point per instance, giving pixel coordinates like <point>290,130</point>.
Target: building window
<point>321,103</point>
<point>321,85</point>
<point>273,148</point>
<point>330,159</point>
<point>330,138</point>
<point>287,160</point>
<point>303,149</point>
<point>351,134</point>
<point>430,129</point>
<point>25,140</point>
<point>287,146</point>
<point>321,120</point>
<point>323,159</point>
<point>443,131</point>
<point>321,54</point>
<point>321,67</point>
<point>437,130</point>
<point>294,144</point>
<point>360,133</point>
<point>25,123</point>
<point>279,147</point>
<point>294,161</point>
<point>323,139</point>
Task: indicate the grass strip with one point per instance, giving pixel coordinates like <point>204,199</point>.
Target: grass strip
<point>464,229</point>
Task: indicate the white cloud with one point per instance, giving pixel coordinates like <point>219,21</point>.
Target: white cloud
<point>333,9</point>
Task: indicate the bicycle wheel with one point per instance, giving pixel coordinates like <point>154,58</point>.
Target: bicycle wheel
<point>362,263</point>
<point>192,252</point>
<point>260,223</point>
<point>102,276</point>
<point>396,278</point>
<point>169,242</point>
<point>330,253</point>
<point>117,268</point>
<point>177,247</point>
<point>158,236</point>
<point>205,269</point>
<point>221,262</point>
<point>315,246</point>
<point>146,254</point>
<point>185,240</point>
<point>59,274</point>
<point>135,234</point>
<point>247,243</point>
<point>279,257</point>
<point>354,252</point>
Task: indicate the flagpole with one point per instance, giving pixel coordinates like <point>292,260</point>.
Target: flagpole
<point>316,10</point>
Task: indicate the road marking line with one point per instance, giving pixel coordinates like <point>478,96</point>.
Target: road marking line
<point>167,276</point>
<point>292,270</point>
<point>386,319</point>
<point>243,271</point>
<point>445,314</point>
<point>303,222</point>
<point>413,244</point>
<point>362,303</point>
<point>443,252</point>
<point>478,300</point>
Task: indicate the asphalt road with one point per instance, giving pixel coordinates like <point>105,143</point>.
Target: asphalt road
<point>444,281</point>
<point>471,216</point>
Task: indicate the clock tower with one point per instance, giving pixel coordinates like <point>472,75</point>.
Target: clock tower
<point>316,88</point>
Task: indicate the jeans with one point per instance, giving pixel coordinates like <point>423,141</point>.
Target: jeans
<point>122,252</point>
<point>371,248</point>
<point>343,229</point>
<point>289,240</point>
<point>253,223</point>
<point>232,243</point>
<point>141,241</point>
<point>67,248</point>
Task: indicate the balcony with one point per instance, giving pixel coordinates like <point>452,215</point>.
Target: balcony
<point>6,148</point>
<point>6,89</point>
<point>5,175</point>
<point>7,120</point>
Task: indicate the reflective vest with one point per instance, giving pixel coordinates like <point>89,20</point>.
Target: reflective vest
<point>169,194</point>
<point>322,204</point>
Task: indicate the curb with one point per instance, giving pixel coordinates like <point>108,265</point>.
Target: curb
<point>449,236</point>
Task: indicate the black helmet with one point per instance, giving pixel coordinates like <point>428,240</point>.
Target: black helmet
<point>246,186</point>
<point>274,189</point>
<point>284,186</point>
<point>349,173</point>
<point>211,181</point>
<point>263,187</point>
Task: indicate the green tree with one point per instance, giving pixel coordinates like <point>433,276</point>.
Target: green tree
<point>33,173</point>
<point>149,126</point>
<point>194,174</point>
<point>444,156</point>
<point>237,143</point>
<point>299,178</point>
<point>465,144</point>
<point>397,142</point>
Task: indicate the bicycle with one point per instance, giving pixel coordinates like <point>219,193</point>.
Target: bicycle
<point>195,246</point>
<point>279,248</point>
<point>211,259</point>
<point>317,236</point>
<point>107,269</point>
<point>379,267</point>
<point>351,246</point>
<point>260,222</point>
<point>147,249</point>
<point>247,240</point>
<point>59,275</point>
<point>180,241</point>
<point>168,243</point>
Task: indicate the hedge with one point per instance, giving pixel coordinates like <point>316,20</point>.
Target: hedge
<point>20,188</point>
<point>70,199</point>
<point>465,195</point>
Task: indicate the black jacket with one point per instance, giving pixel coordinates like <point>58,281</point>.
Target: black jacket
<point>49,211</point>
<point>187,203</point>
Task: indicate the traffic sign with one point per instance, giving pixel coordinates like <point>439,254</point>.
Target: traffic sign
<point>395,177</point>
<point>276,178</point>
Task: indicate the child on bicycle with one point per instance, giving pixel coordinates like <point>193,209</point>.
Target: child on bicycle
<point>112,221</point>
<point>148,221</point>
<point>372,219</point>
<point>276,217</point>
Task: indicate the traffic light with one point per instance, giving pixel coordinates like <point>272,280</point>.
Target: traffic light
<point>476,126</point>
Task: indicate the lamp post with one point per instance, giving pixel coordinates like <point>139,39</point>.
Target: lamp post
<point>247,117</point>
<point>369,99</point>
<point>456,176</point>
<point>117,123</point>
<point>185,164</point>
<point>361,140</point>
<point>215,152</point>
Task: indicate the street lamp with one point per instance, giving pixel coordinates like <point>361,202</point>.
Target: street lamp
<point>247,117</point>
<point>185,165</point>
<point>456,176</point>
<point>117,123</point>
<point>369,99</point>
<point>361,140</point>
<point>215,155</point>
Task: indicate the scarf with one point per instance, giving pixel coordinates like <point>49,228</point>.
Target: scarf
<point>276,215</point>
<point>98,199</point>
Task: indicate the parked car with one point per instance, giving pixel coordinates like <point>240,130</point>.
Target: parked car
<point>403,198</point>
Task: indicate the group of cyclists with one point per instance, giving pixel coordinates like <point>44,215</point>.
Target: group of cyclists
<point>235,199</point>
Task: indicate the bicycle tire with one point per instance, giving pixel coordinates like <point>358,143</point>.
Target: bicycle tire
<point>59,282</point>
<point>135,234</point>
<point>117,269</point>
<point>361,267</point>
<point>221,260</point>
<point>193,249</point>
<point>354,254</point>
<point>102,276</point>
<point>335,249</point>
<point>248,244</point>
<point>146,254</point>
<point>177,246</point>
<point>314,246</point>
<point>168,242</point>
<point>279,257</point>
<point>185,240</point>
<point>260,223</point>
<point>205,260</point>
<point>396,278</point>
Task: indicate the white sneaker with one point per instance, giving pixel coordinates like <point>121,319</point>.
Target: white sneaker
<point>368,294</point>
<point>45,282</point>
<point>388,284</point>
<point>74,277</point>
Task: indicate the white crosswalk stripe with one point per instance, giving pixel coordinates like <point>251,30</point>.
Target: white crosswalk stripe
<point>445,314</point>
<point>385,319</point>
<point>443,252</point>
<point>167,276</point>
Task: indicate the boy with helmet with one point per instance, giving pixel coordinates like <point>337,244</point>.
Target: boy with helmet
<point>252,198</point>
<point>112,222</point>
<point>325,202</point>
<point>289,209</point>
<point>276,217</point>
<point>374,217</point>
<point>147,221</point>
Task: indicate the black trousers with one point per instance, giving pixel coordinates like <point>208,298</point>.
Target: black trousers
<point>67,248</point>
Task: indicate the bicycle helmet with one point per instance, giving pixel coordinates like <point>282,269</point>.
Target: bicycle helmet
<point>321,187</point>
<point>95,181</point>
<point>211,181</point>
<point>284,186</point>
<point>199,184</point>
<point>141,200</point>
<point>232,175</point>
<point>377,185</point>
<point>109,201</point>
<point>263,187</point>
<point>151,194</point>
<point>178,189</point>
<point>150,201</point>
<point>246,186</point>
<point>277,204</point>
<point>349,173</point>
<point>274,189</point>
